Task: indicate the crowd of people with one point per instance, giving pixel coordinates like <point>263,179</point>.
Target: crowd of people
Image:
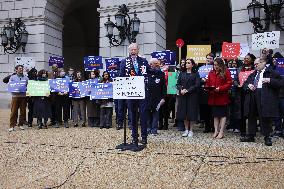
<point>219,101</point>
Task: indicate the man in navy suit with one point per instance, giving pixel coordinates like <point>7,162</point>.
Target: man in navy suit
<point>135,65</point>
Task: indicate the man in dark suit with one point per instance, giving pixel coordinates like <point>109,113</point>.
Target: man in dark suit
<point>134,65</point>
<point>261,100</point>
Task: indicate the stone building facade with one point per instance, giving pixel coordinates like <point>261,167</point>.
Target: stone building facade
<point>75,29</point>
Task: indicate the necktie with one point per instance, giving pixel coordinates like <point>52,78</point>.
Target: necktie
<point>135,64</point>
<point>256,79</point>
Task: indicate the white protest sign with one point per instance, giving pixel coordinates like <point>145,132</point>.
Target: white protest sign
<point>269,40</point>
<point>129,87</point>
<point>27,62</point>
<point>244,50</point>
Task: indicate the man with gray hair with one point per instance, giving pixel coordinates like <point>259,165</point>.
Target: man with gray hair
<point>135,65</point>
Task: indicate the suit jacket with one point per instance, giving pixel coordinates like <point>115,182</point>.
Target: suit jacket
<point>126,67</point>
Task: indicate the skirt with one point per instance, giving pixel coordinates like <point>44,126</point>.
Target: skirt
<point>219,111</point>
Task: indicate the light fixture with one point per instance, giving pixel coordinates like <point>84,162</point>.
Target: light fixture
<point>271,9</point>
<point>127,28</point>
<point>14,36</point>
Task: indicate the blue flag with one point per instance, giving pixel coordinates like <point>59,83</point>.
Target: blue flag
<point>17,87</point>
<point>102,91</point>
<point>59,85</point>
<point>93,63</point>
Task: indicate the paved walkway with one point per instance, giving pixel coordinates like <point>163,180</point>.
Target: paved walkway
<point>86,158</point>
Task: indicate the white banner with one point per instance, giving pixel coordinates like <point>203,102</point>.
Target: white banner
<point>244,50</point>
<point>129,87</point>
<point>269,40</point>
<point>27,62</point>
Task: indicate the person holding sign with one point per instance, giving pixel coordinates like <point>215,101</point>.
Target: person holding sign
<point>261,100</point>
<point>218,84</point>
<point>19,100</point>
<point>242,74</point>
<point>188,86</point>
<point>135,65</point>
<point>205,109</point>
<point>41,106</point>
<point>106,106</point>
<point>79,104</point>
<point>62,102</point>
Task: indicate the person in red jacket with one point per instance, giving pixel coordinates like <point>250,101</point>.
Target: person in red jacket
<point>219,83</point>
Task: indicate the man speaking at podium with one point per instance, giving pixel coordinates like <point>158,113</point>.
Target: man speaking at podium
<point>134,65</point>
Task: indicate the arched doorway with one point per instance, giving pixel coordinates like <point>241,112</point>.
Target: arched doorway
<point>200,22</point>
<point>80,33</point>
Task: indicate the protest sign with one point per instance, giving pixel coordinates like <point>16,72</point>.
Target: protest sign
<point>88,85</point>
<point>38,88</point>
<point>204,71</point>
<point>233,72</point>
<point>17,87</point>
<point>76,90</point>
<point>93,63</point>
<point>59,85</point>
<point>56,60</point>
<point>129,87</point>
<point>198,52</point>
<point>172,82</point>
<point>280,66</point>
<point>244,50</point>
<point>243,76</point>
<point>102,91</point>
<point>230,50</point>
<point>27,62</point>
<point>167,56</point>
<point>269,40</point>
<point>112,66</point>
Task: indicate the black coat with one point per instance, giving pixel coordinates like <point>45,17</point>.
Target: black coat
<point>156,89</point>
<point>188,104</point>
<point>269,94</point>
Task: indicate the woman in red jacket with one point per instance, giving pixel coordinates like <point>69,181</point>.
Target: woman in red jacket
<point>219,83</point>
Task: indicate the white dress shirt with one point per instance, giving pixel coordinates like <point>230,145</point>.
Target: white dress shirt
<point>259,84</point>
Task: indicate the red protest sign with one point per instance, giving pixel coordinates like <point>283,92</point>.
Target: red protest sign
<point>243,76</point>
<point>231,50</point>
<point>180,43</point>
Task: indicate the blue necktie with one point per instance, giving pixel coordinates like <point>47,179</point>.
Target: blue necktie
<point>135,64</point>
<point>256,79</point>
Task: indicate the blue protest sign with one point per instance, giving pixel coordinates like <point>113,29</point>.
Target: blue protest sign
<point>102,91</point>
<point>168,57</point>
<point>76,90</point>
<point>17,87</point>
<point>233,72</point>
<point>88,84</point>
<point>112,66</point>
<point>56,60</point>
<point>204,71</point>
<point>280,66</point>
<point>93,63</point>
<point>59,85</point>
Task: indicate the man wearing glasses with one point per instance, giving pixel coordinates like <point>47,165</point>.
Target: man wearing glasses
<point>261,100</point>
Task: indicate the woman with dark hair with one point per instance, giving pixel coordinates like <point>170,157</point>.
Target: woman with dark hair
<point>93,106</point>
<point>219,83</point>
<point>42,107</point>
<point>79,104</point>
<point>106,106</point>
<point>32,75</point>
<point>188,86</point>
<point>242,74</point>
